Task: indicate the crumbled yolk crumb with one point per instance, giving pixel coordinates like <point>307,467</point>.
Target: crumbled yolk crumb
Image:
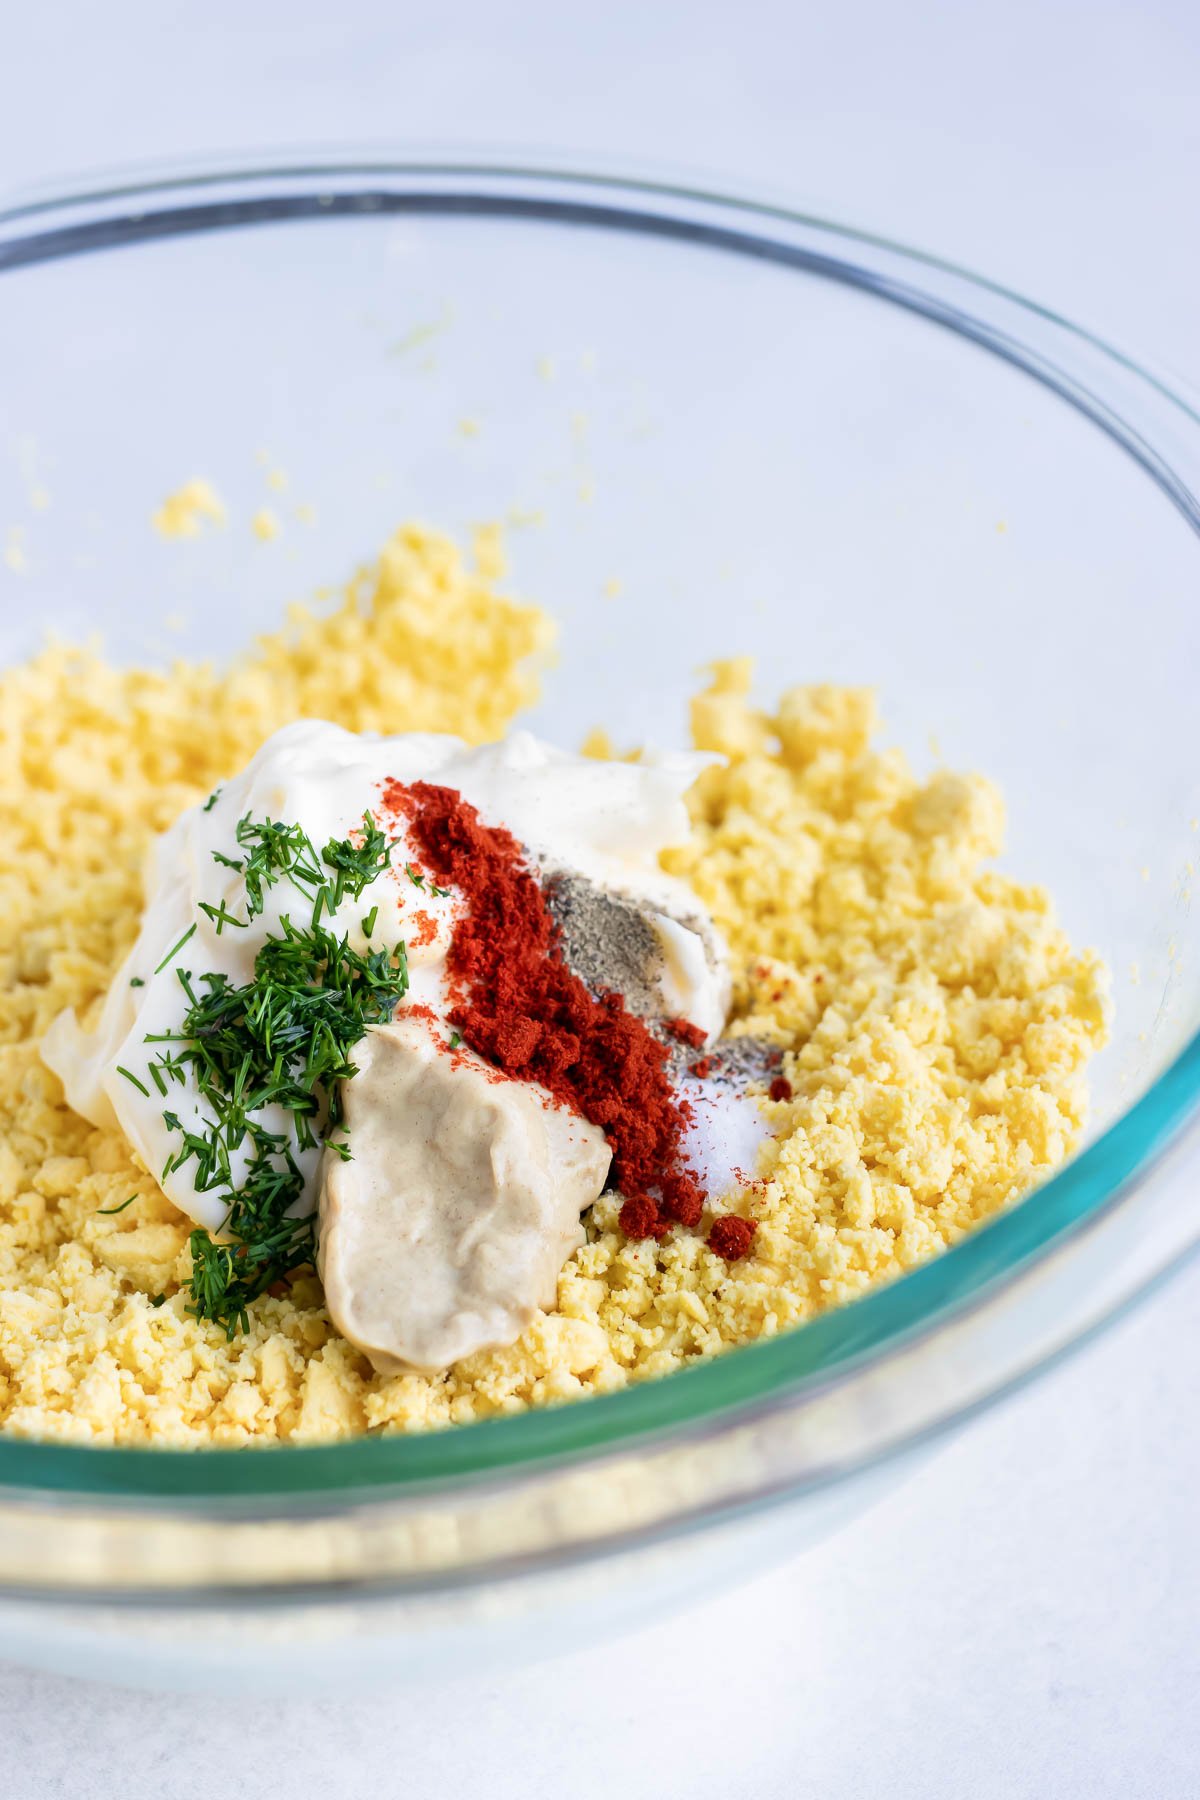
<point>184,512</point>
<point>598,745</point>
<point>934,1018</point>
<point>266,524</point>
<point>487,547</point>
<point>14,550</point>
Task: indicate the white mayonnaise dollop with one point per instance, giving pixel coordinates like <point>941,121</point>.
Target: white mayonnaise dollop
<point>608,820</point>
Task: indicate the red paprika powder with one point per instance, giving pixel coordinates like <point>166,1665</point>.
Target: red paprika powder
<point>731,1236</point>
<point>518,1005</point>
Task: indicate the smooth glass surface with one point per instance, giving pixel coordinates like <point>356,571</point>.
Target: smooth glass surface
<point>765,434</point>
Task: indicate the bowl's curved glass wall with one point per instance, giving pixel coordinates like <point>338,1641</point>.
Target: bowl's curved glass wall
<point>709,428</point>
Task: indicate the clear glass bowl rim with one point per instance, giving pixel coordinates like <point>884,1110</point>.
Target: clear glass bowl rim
<point>1147,414</point>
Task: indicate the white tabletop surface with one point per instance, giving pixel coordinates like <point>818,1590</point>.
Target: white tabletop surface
<point>1023,1618</point>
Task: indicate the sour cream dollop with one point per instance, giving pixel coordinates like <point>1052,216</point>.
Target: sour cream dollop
<point>605,820</point>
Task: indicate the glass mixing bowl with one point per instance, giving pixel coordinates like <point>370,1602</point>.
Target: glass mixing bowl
<point>716,426</point>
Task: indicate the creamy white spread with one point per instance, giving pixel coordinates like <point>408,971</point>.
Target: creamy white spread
<point>605,820</point>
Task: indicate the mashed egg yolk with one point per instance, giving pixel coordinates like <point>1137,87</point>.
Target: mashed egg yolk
<point>934,1021</point>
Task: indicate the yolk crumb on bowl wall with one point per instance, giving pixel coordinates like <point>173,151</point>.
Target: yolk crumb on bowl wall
<point>184,512</point>
<point>935,1020</point>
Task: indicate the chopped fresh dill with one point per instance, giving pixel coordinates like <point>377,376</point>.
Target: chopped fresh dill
<point>455,1039</point>
<point>108,1211</point>
<point>356,865</point>
<point>139,1085</point>
<point>176,948</point>
<point>276,852</point>
<point>212,799</point>
<point>420,880</point>
<point>368,924</point>
<point>136,981</point>
<point>281,1040</point>
<point>221,916</point>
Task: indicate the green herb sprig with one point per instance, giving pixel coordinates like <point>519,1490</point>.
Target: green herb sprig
<point>420,880</point>
<point>283,1039</point>
<point>108,1211</point>
<point>276,852</point>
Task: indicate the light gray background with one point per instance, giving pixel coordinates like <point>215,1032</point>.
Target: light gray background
<point>1024,1617</point>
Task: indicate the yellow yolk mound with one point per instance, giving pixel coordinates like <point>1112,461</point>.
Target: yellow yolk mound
<point>936,1022</point>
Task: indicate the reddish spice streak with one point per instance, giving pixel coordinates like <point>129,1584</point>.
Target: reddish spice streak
<point>702,1068</point>
<point>519,1006</point>
<point>732,1237</point>
<point>780,1088</point>
<point>425,930</point>
<point>685,1032</point>
<point>641,1218</point>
